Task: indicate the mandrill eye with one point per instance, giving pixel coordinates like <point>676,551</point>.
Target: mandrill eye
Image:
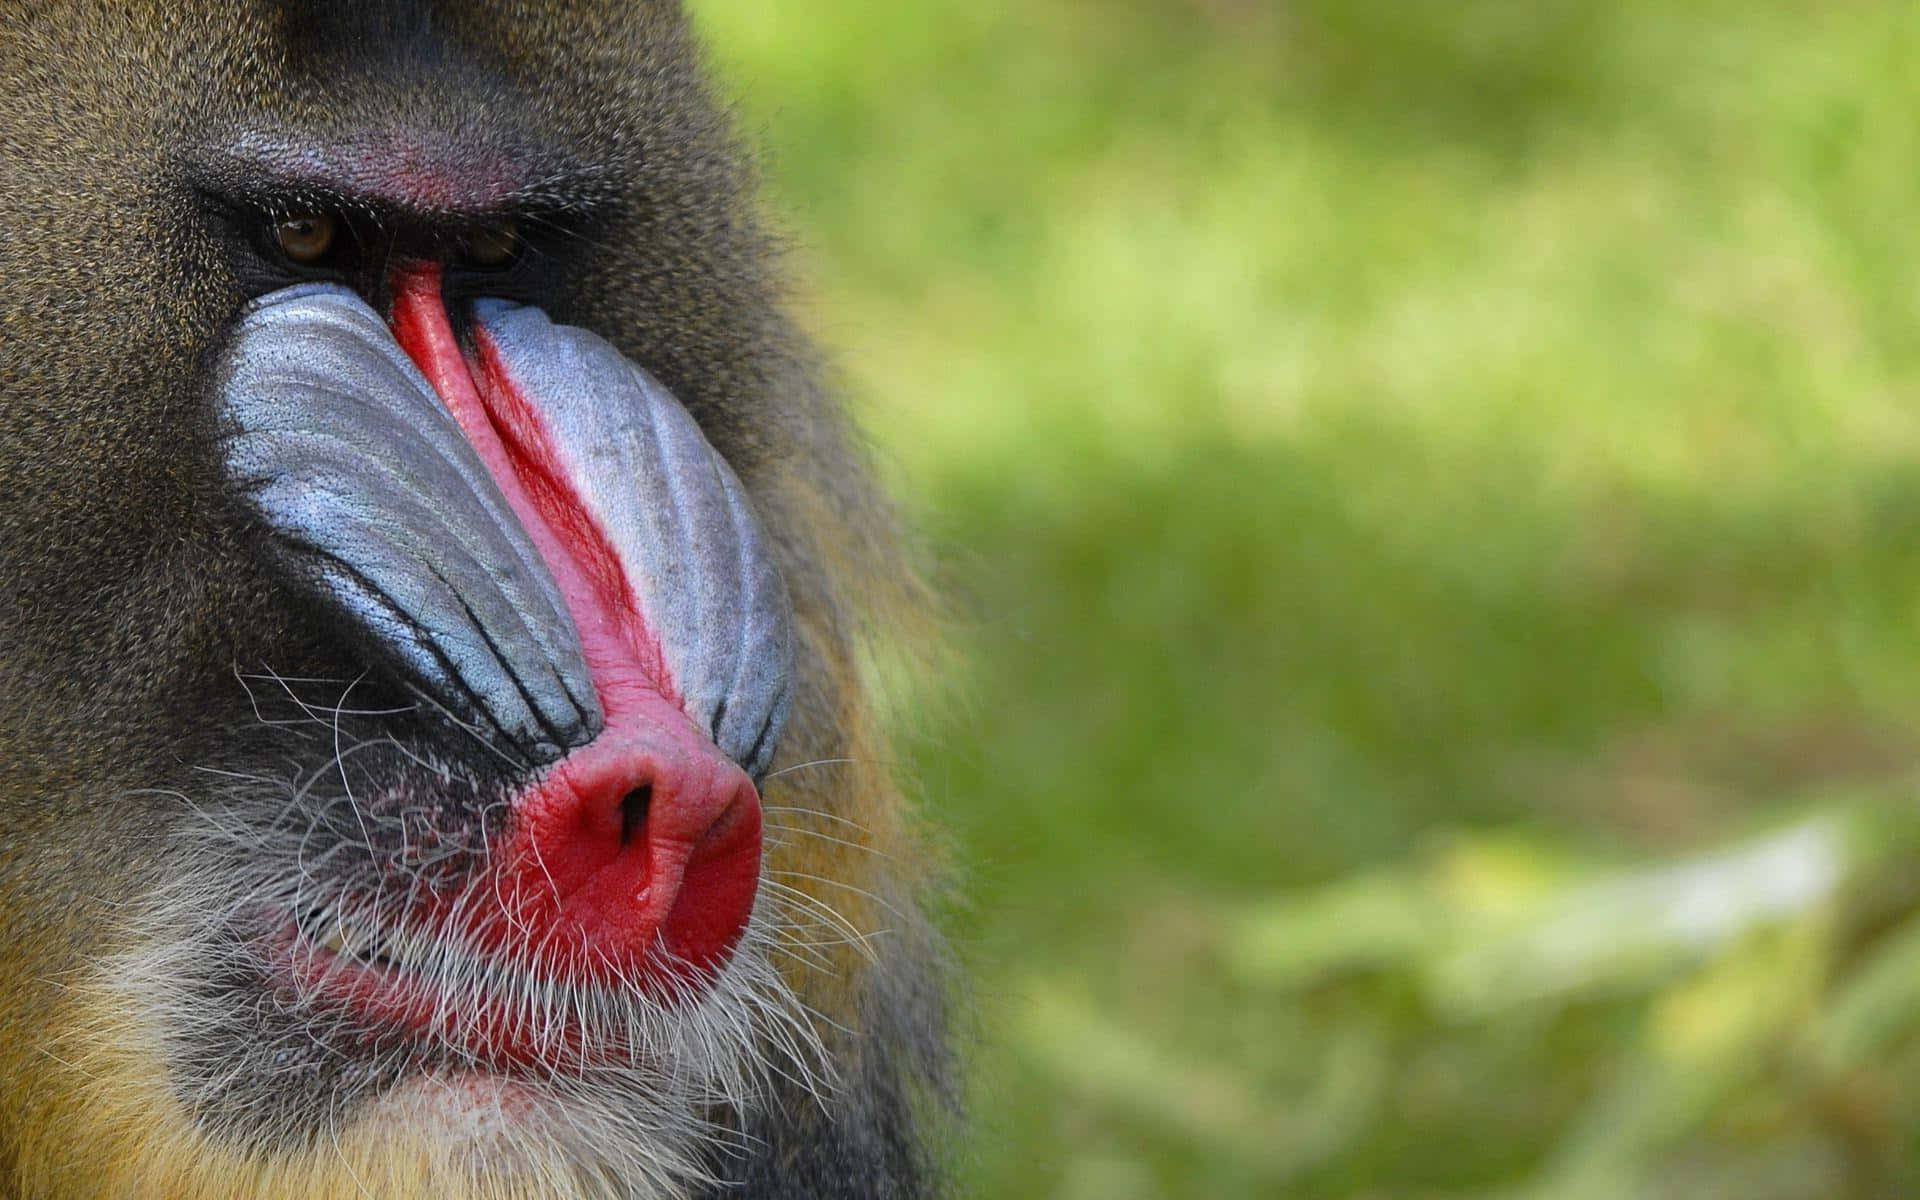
<point>493,246</point>
<point>306,238</point>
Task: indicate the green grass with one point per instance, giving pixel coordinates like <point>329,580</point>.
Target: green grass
<point>1407,473</point>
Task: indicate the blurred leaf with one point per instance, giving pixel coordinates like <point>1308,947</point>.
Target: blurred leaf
<point>1711,1035</point>
<point>1120,1068</point>
<point>1877,1007</point>
<point>1638,925</point>
<point>1375,920</point>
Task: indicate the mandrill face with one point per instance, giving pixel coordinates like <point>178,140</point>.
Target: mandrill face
<point>431,753</point>
<point>539,848</point>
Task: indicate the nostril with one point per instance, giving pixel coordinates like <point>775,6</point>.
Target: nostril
<point>633,812</point>
<point>634,855</point>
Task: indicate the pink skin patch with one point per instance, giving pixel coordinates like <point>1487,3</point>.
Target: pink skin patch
<point>594,895</point>
<point>399,166</point>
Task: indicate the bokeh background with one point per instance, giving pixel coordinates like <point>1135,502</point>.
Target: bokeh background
<point>1430,495</point>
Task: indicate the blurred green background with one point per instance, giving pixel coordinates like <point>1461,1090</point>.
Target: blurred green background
<point>1431,497</point>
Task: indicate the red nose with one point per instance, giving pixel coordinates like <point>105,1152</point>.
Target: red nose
<point>639,854</point>
<point>636,856</point>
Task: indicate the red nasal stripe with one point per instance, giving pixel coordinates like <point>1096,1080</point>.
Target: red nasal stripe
<point>573,884</point>
<point>509,436</point>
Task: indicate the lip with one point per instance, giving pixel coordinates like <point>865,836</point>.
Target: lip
<point>484,1017</point>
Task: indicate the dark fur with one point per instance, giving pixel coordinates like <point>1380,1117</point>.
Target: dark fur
<point>129,587</point>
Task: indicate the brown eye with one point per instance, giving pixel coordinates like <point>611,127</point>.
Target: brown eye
<point>306,238</point>
<point>493,246</point>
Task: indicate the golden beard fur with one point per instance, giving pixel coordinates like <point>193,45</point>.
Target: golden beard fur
<point>107,1117</point>
<point>113,1130</point>
<point>124,1136</point>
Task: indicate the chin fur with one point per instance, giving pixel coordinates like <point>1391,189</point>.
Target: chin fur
<point>176,1082</point>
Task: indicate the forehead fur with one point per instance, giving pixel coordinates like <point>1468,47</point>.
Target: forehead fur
<point>130,73</point>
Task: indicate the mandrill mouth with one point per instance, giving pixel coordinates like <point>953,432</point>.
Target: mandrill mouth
<point>531,537</point>
<point>535,958</point>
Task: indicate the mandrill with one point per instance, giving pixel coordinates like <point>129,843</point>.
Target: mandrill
<point>434,753</point>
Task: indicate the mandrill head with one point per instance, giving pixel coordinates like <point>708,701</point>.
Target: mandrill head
<point>428,566</point>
